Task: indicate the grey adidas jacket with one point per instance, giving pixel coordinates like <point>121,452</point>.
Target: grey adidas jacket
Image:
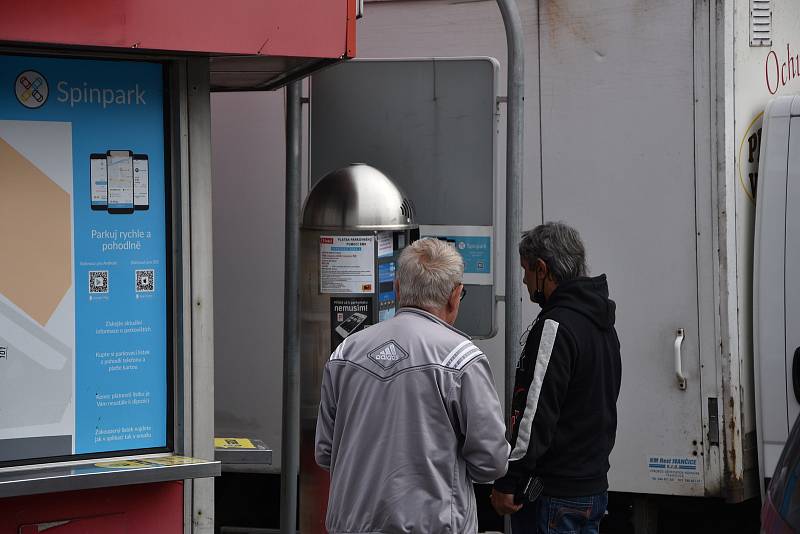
<point>408,419</point>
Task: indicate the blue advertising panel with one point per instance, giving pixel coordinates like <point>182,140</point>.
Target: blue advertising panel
<point>84,297</point>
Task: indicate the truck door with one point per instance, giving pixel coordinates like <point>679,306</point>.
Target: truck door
<point>617,163</point>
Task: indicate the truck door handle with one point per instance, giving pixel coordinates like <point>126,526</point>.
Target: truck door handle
<point>796,374</point>
<point>679,335</point>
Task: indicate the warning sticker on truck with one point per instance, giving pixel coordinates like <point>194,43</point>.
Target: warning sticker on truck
<point>674,469</point>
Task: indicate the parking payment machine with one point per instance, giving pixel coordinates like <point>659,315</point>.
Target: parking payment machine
<point>355,224</point>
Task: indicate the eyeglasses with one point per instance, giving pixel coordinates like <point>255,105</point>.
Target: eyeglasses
<point>463,293</point>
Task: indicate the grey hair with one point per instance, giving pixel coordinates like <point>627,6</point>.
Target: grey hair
<point>559,246</point>
<point>427,272</point>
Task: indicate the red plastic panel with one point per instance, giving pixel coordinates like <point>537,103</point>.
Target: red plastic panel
<point>141,509</point>
<point>307,28</point>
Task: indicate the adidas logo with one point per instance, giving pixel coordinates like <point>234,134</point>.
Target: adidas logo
<point>387,355</point>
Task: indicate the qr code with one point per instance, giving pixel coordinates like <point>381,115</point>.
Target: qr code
<point>98,281</point>
<point>145,280</point>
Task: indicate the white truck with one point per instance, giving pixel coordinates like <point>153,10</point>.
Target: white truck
<point>642,130</point>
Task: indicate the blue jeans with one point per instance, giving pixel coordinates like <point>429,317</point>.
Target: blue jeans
<point>561,515</point>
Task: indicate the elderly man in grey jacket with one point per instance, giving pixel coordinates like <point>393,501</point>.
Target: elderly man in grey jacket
<point>409,417</point>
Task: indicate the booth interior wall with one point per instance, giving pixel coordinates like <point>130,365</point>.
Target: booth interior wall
<point>248,206</point>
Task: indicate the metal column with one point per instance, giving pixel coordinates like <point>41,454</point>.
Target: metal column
<point>201,422</point>
<point>514,136</point>
<point>290,437</point>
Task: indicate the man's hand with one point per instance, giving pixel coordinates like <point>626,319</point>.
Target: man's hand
<point>503,502</point>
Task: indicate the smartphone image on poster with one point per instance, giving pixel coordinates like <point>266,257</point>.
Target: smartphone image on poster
<point>349,325</point>
<point>119,164</point>
<point>98,181</point>
<point>141,182</point>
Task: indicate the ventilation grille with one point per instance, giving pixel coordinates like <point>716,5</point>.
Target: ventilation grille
<point>760,22</point>
<point>407,209</point>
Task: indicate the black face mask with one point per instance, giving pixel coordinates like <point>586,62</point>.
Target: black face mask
<point>538,295</point>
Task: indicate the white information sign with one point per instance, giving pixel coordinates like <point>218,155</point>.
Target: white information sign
<point>347,264</point>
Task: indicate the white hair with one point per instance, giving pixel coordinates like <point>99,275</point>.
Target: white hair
<point>427,272</point>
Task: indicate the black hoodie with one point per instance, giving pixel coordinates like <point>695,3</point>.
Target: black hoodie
<point>564,418</point>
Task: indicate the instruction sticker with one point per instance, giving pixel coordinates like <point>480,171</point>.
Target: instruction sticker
<point>347,264</point>
<point>474,243</point>
<point>123,464</point>
<point>682,469</point>
<point>233,443</point>
<point>149,462</point>
<point>175,460</point>
<point>385,244</point>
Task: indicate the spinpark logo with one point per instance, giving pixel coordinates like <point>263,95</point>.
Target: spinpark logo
<point>31,89</point>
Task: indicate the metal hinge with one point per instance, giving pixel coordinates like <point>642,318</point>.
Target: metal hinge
<point>760,22</point>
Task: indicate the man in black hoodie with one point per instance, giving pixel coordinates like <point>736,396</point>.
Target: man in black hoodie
<point>564,408</point>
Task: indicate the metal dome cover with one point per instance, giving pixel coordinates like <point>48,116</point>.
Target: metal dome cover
<point>357,197</point>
